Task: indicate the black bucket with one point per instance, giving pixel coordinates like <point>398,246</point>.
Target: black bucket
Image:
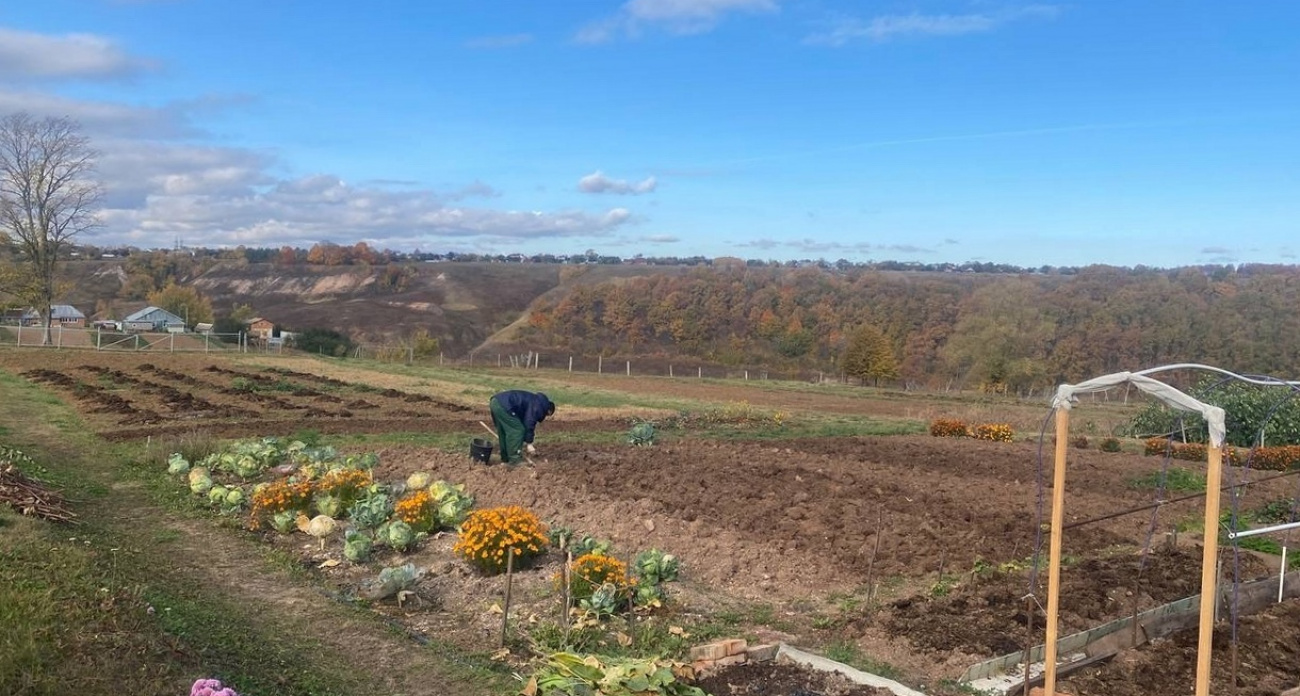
<point>480,450</point>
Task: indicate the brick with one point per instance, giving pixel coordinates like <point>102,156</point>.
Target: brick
<point>736,646</point>
<point>761,653</point>
<point>710,651</point>
<point>730,660</point>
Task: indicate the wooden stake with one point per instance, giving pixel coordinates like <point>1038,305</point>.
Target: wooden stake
<point>1029,645</point>
<point>1054,561</point>
<point>1205,640</point>
<point>871,563</point>
<point>510,573</point>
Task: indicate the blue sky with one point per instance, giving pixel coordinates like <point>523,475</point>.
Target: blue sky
<point>1154,132</point>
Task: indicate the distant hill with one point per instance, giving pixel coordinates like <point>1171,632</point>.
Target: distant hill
<point>461,304</point>
<point>1021,332</point>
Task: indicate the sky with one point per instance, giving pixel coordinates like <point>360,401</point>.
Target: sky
<point>1160,132</point>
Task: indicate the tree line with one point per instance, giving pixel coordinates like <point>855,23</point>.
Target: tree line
<point>1014,333</point>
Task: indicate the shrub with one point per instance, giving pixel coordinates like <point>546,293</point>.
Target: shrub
<point>589,572</point>
<point>1275,458</point>
<point>417,510</point>
<point>995,432</point>
<point>1079,442</point>
<point>487,535</point>
<point>1110,444</point>
<point>278,497</point>
<point>949,427</point>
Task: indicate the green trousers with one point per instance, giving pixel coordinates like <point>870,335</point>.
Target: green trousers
<point>510,433</point>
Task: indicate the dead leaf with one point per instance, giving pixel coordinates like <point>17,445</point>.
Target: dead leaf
<point>624,639</point>
<point>501,655</point>
<point>495,609</point>
<point>678,631</point>
<point>530,689</point>
<point>329,563</point>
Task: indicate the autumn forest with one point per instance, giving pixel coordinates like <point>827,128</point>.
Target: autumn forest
<point>1004,332</point>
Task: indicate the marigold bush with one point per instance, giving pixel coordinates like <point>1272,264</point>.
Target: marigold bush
<point>996,432</point>
<point>277,497</point>
<point>416,509</point>
<point>345,484</point>
<point>1195,451</point>
<point>487,534</point>
<point>949,427</point>
<point>590,571</point>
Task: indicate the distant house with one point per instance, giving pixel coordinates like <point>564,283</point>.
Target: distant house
<point>63,315</point>
<point>153,319</point>
<point>261,328</point>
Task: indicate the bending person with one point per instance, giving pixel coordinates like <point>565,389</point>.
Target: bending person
<point>515,414</point>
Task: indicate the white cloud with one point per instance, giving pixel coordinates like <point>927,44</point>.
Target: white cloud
<point>661,239</point>
<point>675,16</point>
<point>104,119</point>
<point>31,56</point>
<point>225,196</point>
<point>597,182</point>
<point>886,27</point>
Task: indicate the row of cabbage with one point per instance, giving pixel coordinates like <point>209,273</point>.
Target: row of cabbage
<point>315,489</point>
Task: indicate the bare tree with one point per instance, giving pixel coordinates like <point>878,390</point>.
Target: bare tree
<point>47,197</point>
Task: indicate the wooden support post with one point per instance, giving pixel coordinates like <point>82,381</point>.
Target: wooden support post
<point>600,364</point>
<point>1205,641</point>
<point>670,370</point>
<point>570,363</point>
<point>629,368</point>
<point>699,373</point>
<point>510,573</point>
<point>1054,560</point>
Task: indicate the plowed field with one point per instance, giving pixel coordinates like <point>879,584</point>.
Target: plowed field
<point>914,549</point>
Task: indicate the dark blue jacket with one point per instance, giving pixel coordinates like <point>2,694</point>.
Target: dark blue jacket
<point>528,407</point>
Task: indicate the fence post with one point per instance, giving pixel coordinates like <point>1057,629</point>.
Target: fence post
<point>699,373</point>
<point>439,358</point>
<point>20,333</point>
<point>137,341</point>
<point>99,337</point>
<point>58,342</point>
<point>171,342</point>
<point>570,363</point>
<point>629,368</point>
<point>670,370</point>
<point>600,360</point>
<point>746,375</point>
<point>498,360</point>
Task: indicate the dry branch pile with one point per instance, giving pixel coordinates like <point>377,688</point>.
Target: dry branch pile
<point>27,496</point>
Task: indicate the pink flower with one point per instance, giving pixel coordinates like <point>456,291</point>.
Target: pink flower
<point>211,687</point>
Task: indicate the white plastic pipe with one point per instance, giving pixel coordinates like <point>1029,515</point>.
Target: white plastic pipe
<point>1262,530</point>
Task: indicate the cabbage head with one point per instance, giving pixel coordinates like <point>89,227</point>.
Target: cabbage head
<point>418,480</point>
<point>217,494</point>
<point>329,505</point>
<point>284,522</point>
<point>356,546</point>
<point>235,497</point>
<point>177,464</point>
<point>398,535</point>
<point>200,486</point>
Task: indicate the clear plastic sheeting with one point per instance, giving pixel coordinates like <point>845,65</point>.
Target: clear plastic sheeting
<point>1067,394</point>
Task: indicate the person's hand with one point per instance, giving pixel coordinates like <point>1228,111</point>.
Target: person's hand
<point>530,449</point>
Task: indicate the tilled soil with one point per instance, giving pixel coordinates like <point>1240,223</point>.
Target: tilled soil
<point>1268,661</point>
<point>772,679</point>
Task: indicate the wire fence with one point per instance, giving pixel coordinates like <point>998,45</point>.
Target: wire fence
<point>630,366</point>
<point>110,340</point>
<point>102,339</point>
